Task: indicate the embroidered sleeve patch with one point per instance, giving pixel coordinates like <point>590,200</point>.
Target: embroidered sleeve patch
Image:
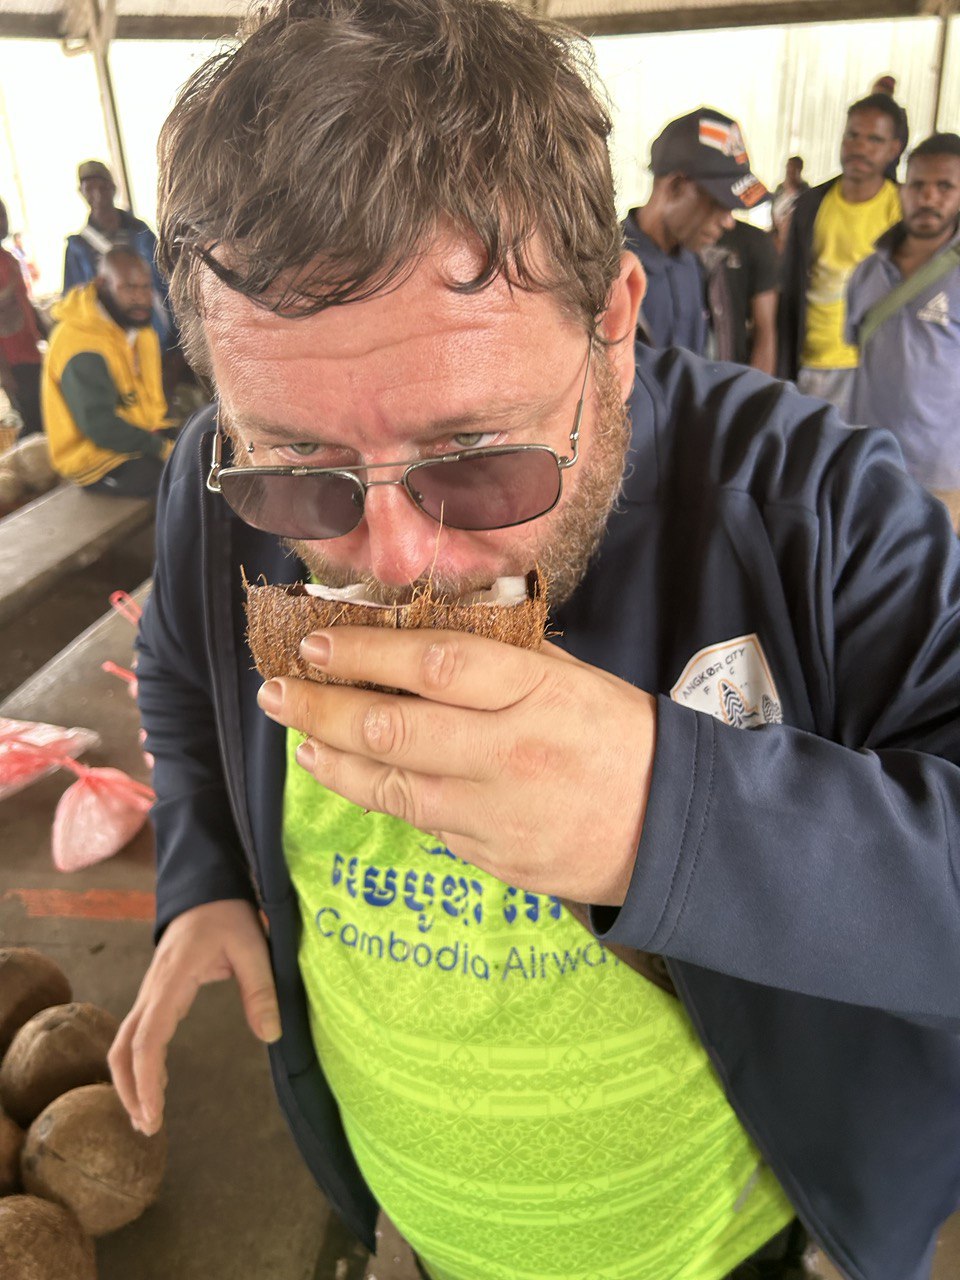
<point>731,681</point>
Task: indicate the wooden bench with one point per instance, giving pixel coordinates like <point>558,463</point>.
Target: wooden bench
<point>62,691</point>
<point>59,533</point>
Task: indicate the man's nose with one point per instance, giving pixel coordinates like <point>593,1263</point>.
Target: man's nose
<point>402,541</point>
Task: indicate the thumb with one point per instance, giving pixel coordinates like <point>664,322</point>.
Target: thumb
<point>251,965</point>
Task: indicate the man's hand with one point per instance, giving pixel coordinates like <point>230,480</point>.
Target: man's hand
<point>205,944</point>
<point>533,766</point>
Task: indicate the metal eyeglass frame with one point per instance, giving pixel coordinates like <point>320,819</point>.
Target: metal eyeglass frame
<point>563,461</point>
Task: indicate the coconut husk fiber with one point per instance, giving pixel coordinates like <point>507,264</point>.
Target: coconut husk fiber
<point>11,1145</point>
<point>43,1241</point>
<point>59,1049</point>
<point>29,982</point>
<point>83,1153</point>
<point>279,617</point>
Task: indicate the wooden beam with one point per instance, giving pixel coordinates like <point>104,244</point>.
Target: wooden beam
<point>748,13</point>
<point>29,26</point>
<point>172,26</point>
<point>22,23</point>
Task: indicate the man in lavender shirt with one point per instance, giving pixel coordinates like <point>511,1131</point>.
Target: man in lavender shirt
<point>908,379</point>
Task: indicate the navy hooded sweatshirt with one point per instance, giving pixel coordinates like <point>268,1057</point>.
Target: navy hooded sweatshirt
<point>799,866</point>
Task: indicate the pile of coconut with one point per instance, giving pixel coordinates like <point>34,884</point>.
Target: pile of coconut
<point>71,1165</point>
<point>25,472</point>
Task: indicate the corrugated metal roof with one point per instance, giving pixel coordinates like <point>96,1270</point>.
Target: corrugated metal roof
<point>191,19</point>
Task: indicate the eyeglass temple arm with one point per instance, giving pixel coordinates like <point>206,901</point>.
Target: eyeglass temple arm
<point>563,463</point>
<point>213,475</point>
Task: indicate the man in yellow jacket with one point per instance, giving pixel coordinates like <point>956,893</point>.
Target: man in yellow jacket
<point>102,392</point>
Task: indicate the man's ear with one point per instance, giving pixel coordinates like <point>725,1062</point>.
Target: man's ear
<point>618,324</point>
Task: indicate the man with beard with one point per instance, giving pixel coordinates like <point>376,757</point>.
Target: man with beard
<point>103,405</point>
<point>832,230</point>
<point>607,959</point>
<point>109,227</point>
<point>903,311</point>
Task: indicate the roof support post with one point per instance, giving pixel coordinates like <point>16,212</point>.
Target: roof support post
<point>947,10</point>
<point>88,28</point>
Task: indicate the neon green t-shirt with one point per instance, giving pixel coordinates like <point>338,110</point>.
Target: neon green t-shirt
<point>843,235</point>
<point>523,1105</point>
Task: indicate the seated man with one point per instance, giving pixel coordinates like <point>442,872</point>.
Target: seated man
<point>103,405</point>
<point>109,227</point>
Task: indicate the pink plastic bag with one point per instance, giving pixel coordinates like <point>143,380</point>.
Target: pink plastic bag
<point>30,751</point>
<point>97,815</point>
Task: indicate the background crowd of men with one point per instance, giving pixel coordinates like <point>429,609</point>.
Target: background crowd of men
<point>853,294</point>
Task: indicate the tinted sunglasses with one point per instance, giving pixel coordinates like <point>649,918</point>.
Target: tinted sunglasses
<point>495,487</point>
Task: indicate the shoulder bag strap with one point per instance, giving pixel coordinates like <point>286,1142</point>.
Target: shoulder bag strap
<point>907,290</point>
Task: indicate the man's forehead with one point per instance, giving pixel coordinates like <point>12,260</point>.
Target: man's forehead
<point>129,273</point>
<point>871,122</point>
<point>427,288</point>
<point>929,166</point>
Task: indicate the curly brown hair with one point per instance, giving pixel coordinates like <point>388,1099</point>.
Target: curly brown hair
<point>311,164</point>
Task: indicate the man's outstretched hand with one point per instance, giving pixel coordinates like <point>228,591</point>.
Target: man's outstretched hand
<point>206,944</point>
<point>532,766</point>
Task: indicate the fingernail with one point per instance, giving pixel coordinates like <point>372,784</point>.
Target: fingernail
<point>134,1125</point>
<point>270,1029</point>
<point>316,649</point>
<point>270,697</point>
<point>306,754</point>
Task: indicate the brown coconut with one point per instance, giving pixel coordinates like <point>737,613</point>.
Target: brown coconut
<point>59,1049</point>
<point>29,982</point>
<point>30,462</point>
<point>82,1152</point>
<point>279,617</point>
<point>42,1241</point>
<point>11,488</point>
<point>11,1144</point>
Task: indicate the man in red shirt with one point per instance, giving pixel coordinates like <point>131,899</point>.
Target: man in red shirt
<point>19,336</point>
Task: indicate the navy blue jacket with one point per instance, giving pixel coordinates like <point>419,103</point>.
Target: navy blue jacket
<point>674,311</point>
<point>802,880</point>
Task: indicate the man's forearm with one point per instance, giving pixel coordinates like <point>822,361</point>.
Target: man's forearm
<point>763,355</point>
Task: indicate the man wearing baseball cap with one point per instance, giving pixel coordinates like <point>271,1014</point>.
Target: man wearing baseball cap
<point>109,227</point>
<point>701,172</point>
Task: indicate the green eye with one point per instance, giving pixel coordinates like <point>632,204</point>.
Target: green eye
<point>303,449</point>
<point>473,439</point>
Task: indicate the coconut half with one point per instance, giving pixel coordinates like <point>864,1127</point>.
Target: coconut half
<point>511,610</point>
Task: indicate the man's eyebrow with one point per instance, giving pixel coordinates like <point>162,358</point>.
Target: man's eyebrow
<point>283,431</point>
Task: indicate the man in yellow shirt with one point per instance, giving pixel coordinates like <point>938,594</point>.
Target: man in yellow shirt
<point>834,228</point>
<point>104,410</point>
